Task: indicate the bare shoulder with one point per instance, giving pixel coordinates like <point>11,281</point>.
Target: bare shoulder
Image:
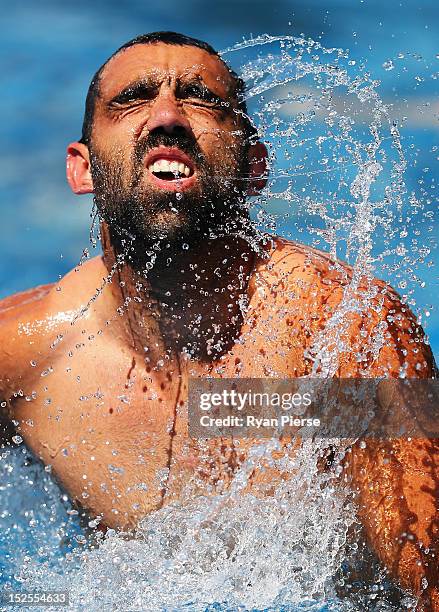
<point>45,300</point>
<point>17,310</point>
<point>29,318</point>
<point>362,313</point>
<point>304,266</point>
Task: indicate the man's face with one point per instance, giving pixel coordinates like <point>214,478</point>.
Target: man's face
<point>167,149</point>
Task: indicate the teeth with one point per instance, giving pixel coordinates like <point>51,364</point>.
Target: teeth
<point>164,165</point>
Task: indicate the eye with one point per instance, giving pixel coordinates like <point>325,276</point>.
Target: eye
<point>200,92</point>
<point>134,94</point>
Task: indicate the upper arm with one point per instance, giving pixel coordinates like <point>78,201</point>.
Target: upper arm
<point>16,309</point>
<point>385,340</point>
<point>397,479</point>
<point>11,305</point>
<point>373,334</point>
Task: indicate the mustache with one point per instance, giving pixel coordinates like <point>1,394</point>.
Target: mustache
<point>184,142</point>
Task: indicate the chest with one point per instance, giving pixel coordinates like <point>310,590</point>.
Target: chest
<point>114,429</point>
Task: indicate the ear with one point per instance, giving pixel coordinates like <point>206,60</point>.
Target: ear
<point>258,168</point>
<point>78,168</point>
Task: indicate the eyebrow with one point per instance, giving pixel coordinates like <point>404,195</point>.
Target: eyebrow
<point>138,86</point>
<point>191,80</point>
<point>188,76</point>
<point>150,83</point>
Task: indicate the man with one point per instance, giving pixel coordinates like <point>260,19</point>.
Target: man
<point>95,368</point>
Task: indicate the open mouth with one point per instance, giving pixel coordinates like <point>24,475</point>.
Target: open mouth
<point>170,168</point>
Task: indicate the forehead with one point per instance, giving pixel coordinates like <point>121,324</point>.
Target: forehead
<point>160,59</point>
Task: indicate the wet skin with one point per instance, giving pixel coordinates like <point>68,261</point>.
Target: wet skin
<point>103,400</point>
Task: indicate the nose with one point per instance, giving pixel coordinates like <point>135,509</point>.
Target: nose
<point>166,116</point>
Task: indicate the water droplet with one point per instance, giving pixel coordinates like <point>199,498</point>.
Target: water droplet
<point>115,469</point>
<point>388,65</point>
<point>80,539</point>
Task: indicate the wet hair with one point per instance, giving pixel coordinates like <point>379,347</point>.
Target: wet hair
<point>169,38</point>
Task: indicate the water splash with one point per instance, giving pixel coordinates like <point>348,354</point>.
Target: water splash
<point>235,549</point>
<point>337,179</point>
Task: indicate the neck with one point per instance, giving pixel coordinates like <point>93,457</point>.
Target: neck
<point>187,301</point>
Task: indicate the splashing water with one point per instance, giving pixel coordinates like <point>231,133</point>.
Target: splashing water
<point>231,549</point>
<point>338,164</point>
<point>337,181</point>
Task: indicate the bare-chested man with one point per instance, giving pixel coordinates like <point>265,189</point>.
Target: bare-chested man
<point>95,368</point>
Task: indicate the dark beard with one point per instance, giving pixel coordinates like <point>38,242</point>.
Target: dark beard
<point>143,218</point>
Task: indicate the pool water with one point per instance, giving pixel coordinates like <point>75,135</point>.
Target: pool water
<point>235,551</point>
<point>44,545</point>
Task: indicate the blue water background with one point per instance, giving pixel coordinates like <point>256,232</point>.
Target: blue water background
<point>50,50</point>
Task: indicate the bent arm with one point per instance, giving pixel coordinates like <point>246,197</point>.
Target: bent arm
<point>13,363</point>
<point>397,480</point>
